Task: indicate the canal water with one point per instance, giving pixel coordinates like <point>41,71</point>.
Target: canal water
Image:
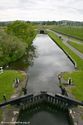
<point>49,61</point>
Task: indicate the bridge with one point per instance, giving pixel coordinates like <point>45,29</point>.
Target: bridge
<point>43,99</point>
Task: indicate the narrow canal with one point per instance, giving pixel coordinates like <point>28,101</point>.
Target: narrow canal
<point>50,60</point>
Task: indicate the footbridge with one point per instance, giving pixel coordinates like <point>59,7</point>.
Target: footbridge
<point>43,99</point>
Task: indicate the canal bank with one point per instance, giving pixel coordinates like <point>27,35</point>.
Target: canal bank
<point>11,109</point>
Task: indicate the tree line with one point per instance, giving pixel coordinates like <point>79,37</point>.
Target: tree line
<point>15,39</point>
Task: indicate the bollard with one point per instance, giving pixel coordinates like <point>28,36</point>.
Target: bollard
<point>1,70</point>
<point>59,78</point>
<point>69,81</point>
<point>4,97</point>
<point>24,90</point>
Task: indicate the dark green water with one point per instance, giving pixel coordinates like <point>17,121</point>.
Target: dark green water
<point>44,118</point>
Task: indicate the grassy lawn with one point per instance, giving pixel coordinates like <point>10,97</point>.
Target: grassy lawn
<point>6,82</point>
<point>76,31</point>
<point>7,79</point>
<point>0,114</point>
<point>77,77</point>
<point>79,47</point>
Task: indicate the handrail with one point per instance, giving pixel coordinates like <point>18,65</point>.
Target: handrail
<point>43,96</point>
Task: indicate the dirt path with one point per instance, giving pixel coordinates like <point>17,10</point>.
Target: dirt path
<point>65,41</point>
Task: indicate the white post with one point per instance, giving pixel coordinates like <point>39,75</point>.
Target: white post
<point>1,70</point>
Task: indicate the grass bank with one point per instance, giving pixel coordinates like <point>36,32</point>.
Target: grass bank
<point>74,31</point>
<point>67,50</point>
<point>77,46</point>
<point>77,76</point>
<point>7,79</point>
<point>77,79</point>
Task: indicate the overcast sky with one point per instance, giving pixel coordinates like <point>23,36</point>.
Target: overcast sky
<point>36,10</point>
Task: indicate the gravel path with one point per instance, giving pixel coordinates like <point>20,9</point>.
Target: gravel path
<point>65,41</point>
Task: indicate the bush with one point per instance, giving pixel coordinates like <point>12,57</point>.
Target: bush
<point>14,40</point>
<point>11,48</point>
<point>22,30</point>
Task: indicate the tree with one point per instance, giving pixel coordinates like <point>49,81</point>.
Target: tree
<point>22,30</point>
<point>15,40</point>
<point>11,48</point>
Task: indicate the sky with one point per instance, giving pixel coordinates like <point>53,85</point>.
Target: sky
<point>41,10</point>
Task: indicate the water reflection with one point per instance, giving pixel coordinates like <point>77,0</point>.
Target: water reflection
<point>50,61</point>
<point>26,61</point>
